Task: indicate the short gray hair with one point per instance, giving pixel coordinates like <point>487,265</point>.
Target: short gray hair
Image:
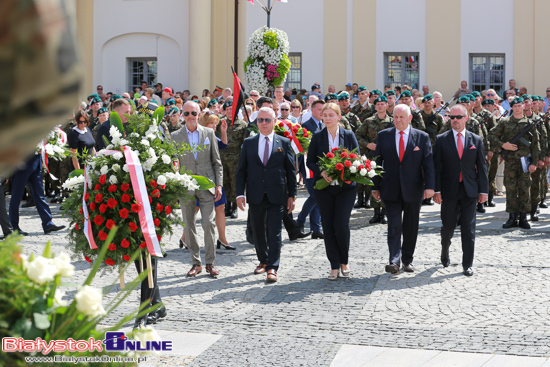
<point>403,107</point>
<point>268,110</point>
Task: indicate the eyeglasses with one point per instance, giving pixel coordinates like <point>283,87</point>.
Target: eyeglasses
<point>262,120</point>
<point>293,107</point>
<point>456,117</point>
<point>254,95</point>
<point>250,104</point>
<point>285,109</point>
<point>82,121</point>
<point>186,113</point>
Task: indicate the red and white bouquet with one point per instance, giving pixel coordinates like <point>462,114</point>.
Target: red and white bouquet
<point>346,166</point>
<point>299,136</point>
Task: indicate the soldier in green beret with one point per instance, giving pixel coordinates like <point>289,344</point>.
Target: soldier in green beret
<point>363,109</point>
<point>373,95</point>
<point>348,117</point>
<point>492,156</point>
<point>174,123</point>
<point>95,104</point>
<point>103,115</point>
<point>331,97</point>
<point>392,100</point>
<point>434,122</point>
<point>522,159</point>
<point>367,135</point>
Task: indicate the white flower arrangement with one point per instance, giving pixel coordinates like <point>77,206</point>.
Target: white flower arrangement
<point>55,144</point>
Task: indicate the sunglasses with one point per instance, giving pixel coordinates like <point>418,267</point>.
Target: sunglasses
<point>82,121</point>
<point>99,88</point>
<point>293,107</point>
<point>250,104</point>
<point>186,113</point>
<point>285,109</point>
<point>262,120</point>
<point>456,117</point>
<point>490,94</point>
<point>254,95</point>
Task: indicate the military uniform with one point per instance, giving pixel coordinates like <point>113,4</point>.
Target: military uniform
<point>536,185</point>
<point>516,181</point>
<point>353,121</point>
<point>230,156</point>
<point>363,113</point>
<point>432,124</point>
<point>472,125</point>
<point>172,128</point>
<point>417,122</point>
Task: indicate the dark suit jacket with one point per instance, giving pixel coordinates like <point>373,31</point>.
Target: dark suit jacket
<point>448,165</point>
<point>277,179</point>
<point>407,174</point>
<point>319,146</point>
<point>103,131</point>
<point>309,125</point>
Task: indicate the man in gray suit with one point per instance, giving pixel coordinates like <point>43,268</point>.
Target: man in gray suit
<point>204,162</point>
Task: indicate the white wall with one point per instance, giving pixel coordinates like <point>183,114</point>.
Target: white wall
<point>129,28</point>
<point>487,26</point>
<point>302,20</point>
<point>400,27</point>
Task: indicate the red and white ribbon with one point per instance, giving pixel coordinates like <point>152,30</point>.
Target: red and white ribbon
<point>142,198</point>
<point>294,142</point>
<point>309,173</point>
<point>45,160</point>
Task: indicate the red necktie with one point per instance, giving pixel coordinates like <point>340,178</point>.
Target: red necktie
<point>401,146</point>
<point>460,149</point>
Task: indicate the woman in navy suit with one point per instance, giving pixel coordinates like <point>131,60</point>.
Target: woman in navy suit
<point>335,203</point>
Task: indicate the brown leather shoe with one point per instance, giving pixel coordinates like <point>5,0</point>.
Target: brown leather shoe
<point>271,276</point>
<point>260,269</point>
<point>196,269</point>
<point>409,268</point>
<point>210,269</point>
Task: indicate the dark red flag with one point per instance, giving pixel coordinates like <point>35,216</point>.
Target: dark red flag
<point>238,96</point>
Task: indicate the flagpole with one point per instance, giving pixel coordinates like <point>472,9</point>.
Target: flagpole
<point>268,13</point>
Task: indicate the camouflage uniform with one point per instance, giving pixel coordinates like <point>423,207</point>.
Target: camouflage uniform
<point>433,125</point>
<point>493,163</point>
<point>417,122</point>
<point>171,128</point>
<point>536,187</point>
<point>94,123</point>
<point>230,156</point>
<point>344,123</point>
<point>352,118</point>
<point>363,113</point>
<point>517,182</point>
<point>544,170</point>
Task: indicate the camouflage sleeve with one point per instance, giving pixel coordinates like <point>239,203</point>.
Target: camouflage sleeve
<point>543,140</point>
<point>535,149</point>
<point>354,121</point>
<point>495,135</point>
<point>361,135</point>
<point>344,123</point>
<point>446,127</point>
<point>417,117</point>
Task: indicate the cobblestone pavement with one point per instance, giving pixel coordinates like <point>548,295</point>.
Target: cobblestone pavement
<point>304,319</point>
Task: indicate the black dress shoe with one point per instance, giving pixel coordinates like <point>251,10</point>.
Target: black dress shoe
<point>383,218</point>
<point>225,246</point>
<point>299,233</point>
<point>151,318</point>
<point>468,272</point>
<point>392,268</point>
<point>543,204</point>
<point>317,235</point>
<point>408,268</point>
<point>28,204</point>
<point>161,313</point>
<point>376,217</point>
<point>21,232</point>
<point>53,229</point>
<point>367,204</point>
<point>140,323</point>
<point>445,261</point>
<point>480,208</point>
<point>512,221</point>
<point>182,244</point>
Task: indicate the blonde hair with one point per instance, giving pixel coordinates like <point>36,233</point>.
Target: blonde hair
<point>333,106</point>
<point>207,118</point>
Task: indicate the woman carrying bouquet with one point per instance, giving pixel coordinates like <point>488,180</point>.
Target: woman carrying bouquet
<point>335,202</point>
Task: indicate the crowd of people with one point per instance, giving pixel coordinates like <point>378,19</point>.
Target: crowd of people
<point>431,150</point>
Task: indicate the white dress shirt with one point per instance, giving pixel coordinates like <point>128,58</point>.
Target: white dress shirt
<point>261,145</point>
<point>405,138</point>
<point>193,140</point>
<point>334,143</point>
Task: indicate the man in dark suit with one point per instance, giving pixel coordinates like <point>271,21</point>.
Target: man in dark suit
<point>266,169</point>
<point>120,106</point>
<point>461,182</point>
<point>406,155</point>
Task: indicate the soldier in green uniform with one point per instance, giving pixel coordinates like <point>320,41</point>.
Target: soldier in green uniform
<point>174,123</point>
<point>492,156</point>
<point>230,158</point>
<point>93,112</point>
<point>472,125</point>
<point>434,122</point>
<point>521,160</point>
<point>392,100</point>
<point>538,108</point>
<point>102,115</point>
<point>350,117</point>
<point>540,129</point>
<point>373,95</point>
<point>367,136</point>
<point>416,122</point>
<point>363,109</point>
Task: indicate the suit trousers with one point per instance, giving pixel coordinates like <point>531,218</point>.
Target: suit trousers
<point>335,205</point>
<point>206,202</point>
<point>266,220</point>
<point>402,220</point>
<point>32,174</point>
<point>148,294</point>
<point>4,220</point>
<point>310,208</point>
<point>449,211</point>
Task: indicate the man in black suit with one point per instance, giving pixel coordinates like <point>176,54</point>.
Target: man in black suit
<point>266,169</point>
<point>461,182</point>
<point>406,155</point>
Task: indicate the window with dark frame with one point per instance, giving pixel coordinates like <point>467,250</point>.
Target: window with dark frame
<point>294,76</point>
<point>401,68</point>
<point>142,69</point>
<point>487,72</point>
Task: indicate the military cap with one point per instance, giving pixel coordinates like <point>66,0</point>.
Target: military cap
<point>330,97</point>
<point>147,107</point>
<point>376,91</point>
<point>114,97</point>
<point>391,92</point>
<point>534,98</point>
<point>487,101</point>
<point>516,100</point>
<point>362,88</point>
<point>526,96</point>
<point>472,98</point>
<point>102,110</point>
<point>406,93</point>
<point>219,89</point>
<point>475,93</point>
<point>173,111</point>
<point>463,99</point>
<point>93,95</point>
<point>212,102</point>
<point>343,95</point>
<point>96,100</point>
<point>427,97</point>
<point>381,99</point>
<point>170,102</point>
<point>227,104</point>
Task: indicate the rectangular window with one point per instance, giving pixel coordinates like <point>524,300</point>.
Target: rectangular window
<point>487,72</point>
<point>294,76</point>
<point>401,68</point>
<point>140,70</point>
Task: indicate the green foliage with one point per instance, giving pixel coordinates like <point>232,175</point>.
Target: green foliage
<point>270,39</point>
<point>283,68</point>
<point>116,121</point>
<point>248,62</point>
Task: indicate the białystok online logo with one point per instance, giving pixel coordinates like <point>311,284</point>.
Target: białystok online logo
<point>114,341</point>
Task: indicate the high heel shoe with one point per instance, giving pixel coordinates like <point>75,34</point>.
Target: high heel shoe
<point>226,246</point>
<point>183,244</point>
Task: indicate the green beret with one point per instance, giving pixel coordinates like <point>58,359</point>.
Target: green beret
<point>427,97</point>
<point>102,110</point>
<point>114,97</point>
<point>227,104</point>
<point>343,95</point>
<point>487,101</point>
<point>534,98</point>
<point>476,94</point>
<point>173,111</point>
<point>391,92</point>
<point>330,97</point>
<point>463,99</point>
<point>360,89</point>
<point>472,98</point>
<point>170,102</point>
<point>381,99</point>
<point>516,100</point>
<point>93,96</point>
<point>96,100</point>
<point>406,93</point>
<point>526,96</point>
<point>212,102</point>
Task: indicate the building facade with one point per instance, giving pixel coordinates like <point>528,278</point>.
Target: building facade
<point>192,44</point>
